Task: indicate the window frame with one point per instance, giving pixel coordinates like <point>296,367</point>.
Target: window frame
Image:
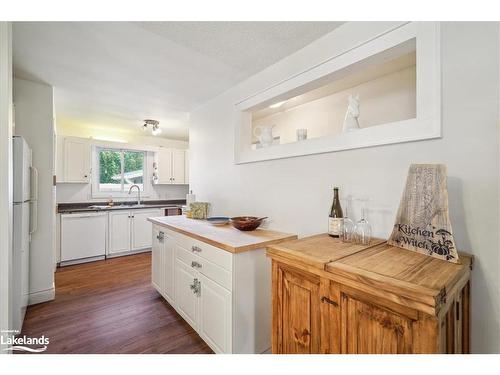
<point>96,192</point>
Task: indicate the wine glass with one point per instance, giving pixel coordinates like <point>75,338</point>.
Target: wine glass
<point>363,229</point>
<point>348,224</point>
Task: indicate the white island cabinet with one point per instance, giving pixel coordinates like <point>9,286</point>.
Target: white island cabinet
<point>218,279</point>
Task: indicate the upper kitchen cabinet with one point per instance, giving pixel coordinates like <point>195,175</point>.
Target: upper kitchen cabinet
<point>342,102</point>
<point>171,166</point>
<point>73,160</point>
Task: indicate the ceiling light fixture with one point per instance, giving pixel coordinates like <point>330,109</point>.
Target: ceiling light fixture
<point>155,128</point>
<point>277,105</point>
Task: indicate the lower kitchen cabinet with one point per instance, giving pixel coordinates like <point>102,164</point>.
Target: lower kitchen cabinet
<point>162,261</point>
<point>224,296</point>
<point>215,314</point>
<point>130,231</point>
<point>187,292</point>
<point>119,232</point>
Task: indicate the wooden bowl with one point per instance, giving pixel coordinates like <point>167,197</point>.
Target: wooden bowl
<point>246,223</point>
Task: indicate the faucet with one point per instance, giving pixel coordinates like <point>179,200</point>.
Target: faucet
<point>138,193</point>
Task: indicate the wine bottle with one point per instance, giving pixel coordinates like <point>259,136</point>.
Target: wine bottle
<point>336,216</point>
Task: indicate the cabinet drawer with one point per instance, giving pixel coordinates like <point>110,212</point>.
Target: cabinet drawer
<point>219,257</point>
<point>209,269</point>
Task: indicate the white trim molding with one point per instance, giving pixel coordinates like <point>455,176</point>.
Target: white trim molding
<point>425,37</point>
<point>6,197</point>
<point>42,296</point>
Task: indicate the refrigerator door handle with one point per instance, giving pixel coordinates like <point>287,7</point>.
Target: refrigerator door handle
<point>33,200</point>
<point>34,184</point>
<point>33,216</point>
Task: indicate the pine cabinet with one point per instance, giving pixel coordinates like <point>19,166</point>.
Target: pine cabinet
<point>171,166</point>
<point>73,160</point>
<point>331,297</point>
<point>130,231</point>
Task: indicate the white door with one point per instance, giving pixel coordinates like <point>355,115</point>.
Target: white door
<point>141,228</point>
<point>215,315</point>
<point>119,231</point>
<point>167,269</point>
<point>76,160</point>
<point>156,250</point>
<point>178,167</point>
<point>186,298</point>
<point>164,166</point>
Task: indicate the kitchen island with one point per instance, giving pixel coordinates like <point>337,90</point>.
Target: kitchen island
<point>218,279</point>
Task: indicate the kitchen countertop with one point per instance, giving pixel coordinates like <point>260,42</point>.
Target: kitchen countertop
<point>224,237</point>
<point>103,206</point>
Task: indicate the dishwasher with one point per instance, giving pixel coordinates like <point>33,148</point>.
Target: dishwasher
<point>83,237</point>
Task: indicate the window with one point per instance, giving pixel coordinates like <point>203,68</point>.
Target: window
<point>119,169</point>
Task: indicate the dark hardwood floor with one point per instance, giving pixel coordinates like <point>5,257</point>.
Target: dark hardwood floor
<point>110,306</point>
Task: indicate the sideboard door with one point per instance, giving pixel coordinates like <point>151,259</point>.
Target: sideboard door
<point>296,315</point>
<point>330,317</point>
<point>368,329</point>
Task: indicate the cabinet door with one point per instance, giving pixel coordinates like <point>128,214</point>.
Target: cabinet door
<point>330,317</point>
<point>167,267</point>
<point>215,315</point>
<point>76,161</point>
<point>141,228</point>
<point>368,329</point>
<point>119,231</point>
<point>186,298</point>
<point>296,311</point>
<point>156,251</point>
<point>164,166</point>
<point>178,167</point>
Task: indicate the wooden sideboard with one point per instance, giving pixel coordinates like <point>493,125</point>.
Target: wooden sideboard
<point>332,297</point>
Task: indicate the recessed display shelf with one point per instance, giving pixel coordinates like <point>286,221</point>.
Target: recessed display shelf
<point>390,84</point>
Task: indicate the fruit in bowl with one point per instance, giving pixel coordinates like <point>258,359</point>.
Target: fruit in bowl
<point>246,223</point>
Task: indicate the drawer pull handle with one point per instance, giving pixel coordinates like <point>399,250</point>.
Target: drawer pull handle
<point>195,264</point>
<point>328,300</point>
<point>195,249</point>
<point>160,236</point>
<point>196,287</point>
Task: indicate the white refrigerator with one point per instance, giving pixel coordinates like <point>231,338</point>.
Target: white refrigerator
<point>25,191</point>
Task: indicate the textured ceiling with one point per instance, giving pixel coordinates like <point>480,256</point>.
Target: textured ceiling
<point>115,74</point>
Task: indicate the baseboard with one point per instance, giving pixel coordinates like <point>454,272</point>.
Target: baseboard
<point>83,260</point>
<point>42,296</point>
<point>130,252</point>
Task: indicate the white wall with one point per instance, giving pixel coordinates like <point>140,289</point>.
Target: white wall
<point>296,192</point>
<point>34,120</point>
<point>6,198</point>
<point>67,193</point>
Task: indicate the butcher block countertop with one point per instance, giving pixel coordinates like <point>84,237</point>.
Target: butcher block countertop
<point>224,237</point>
<point>318,250</point>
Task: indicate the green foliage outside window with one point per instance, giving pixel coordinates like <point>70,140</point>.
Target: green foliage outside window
<point>110,171</point>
